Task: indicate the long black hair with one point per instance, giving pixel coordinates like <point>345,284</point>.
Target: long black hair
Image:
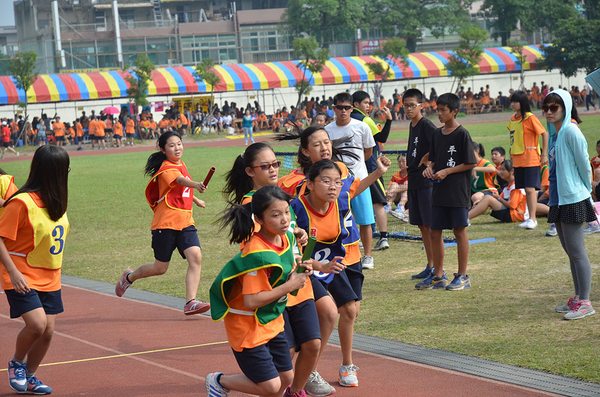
<point>521,98</point>
<point>156,159</point>
<point>239,217</point>
<point>479,147</point>
<point>321,165</point>
<point>237,182</point>
<point>555,98</point>
<point>49,176</point>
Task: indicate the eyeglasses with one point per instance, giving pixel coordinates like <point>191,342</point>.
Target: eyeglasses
<point>266,167</point>
<point>553,108</point>
<point>329,183</point>
<point>343,107</point>
<point>411,106</point>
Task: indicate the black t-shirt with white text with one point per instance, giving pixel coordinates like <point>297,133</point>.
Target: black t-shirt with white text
<point>449,151</point>
<point>419,142</point>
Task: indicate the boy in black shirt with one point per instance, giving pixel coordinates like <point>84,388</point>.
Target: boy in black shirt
<point>452,159</point>
<point>419,188</point>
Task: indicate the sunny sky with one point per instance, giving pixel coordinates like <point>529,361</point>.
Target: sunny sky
<point>8,15</point>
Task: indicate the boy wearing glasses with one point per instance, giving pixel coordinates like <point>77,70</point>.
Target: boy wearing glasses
<point>452,159</point>
<point>362,103</point>
<point>360,141</point>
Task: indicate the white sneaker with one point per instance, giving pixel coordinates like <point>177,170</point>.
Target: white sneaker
<point>591,228</point>
<point>316,386</point>
<point>347,375</point>
<point>367,262</point>
<point>523,224</point>
<point>531,224</point>
<point>382,244</point>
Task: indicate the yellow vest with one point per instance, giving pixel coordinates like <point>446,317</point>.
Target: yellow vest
<point>517,142</point>
<point>48,236</point>
<point>5,182</point>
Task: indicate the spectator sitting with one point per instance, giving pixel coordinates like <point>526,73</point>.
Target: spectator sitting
<point>482,177</point>
<point>397,191</point>
<point>498,156</point>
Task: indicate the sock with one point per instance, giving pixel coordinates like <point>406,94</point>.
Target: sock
<point>30,374</point>
<point>20,362</point>
<point>127,278</point>
<point>188,302</point>
<point>383,234</point>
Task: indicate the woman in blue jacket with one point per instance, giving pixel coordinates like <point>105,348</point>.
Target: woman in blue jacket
<point>570,202</point>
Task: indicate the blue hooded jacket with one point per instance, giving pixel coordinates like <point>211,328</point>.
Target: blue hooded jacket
<point>570,173</point>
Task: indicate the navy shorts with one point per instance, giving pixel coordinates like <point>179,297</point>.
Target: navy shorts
<point>502,215</point>
<point>20,304</point>
<point>164,242</point>
<point>6,144</point>
<point>347,285</point>
<point>60,138</point>
<point>378,192</point>
<point>527,177</point>
<point>301,323</point>
<point>419,206</point>
<point>117,136</point>
<point>448,217</point>
<point>319,290</point>
<point>129,135</point>
<point>265,362</point>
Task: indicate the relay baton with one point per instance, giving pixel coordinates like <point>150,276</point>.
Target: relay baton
<point>210,174</point>
<point>308,251</point>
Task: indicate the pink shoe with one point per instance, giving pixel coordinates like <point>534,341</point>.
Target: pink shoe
<point>123,284</point>
<point>195,307</point>
<point>287,393</point>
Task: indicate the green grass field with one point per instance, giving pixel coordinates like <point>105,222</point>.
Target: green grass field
<point>507,316</point>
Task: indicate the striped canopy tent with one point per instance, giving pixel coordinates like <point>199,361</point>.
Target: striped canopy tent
<point>257,76</point>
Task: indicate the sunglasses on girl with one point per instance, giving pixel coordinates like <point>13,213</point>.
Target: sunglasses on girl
<point>266,167</point>
<point>343,107</point>
<point>553,108</point>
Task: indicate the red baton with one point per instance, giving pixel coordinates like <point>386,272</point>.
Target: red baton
<point>210,174</point>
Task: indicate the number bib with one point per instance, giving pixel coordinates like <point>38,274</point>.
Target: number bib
<point>178,197</point>
<point>48,236</point>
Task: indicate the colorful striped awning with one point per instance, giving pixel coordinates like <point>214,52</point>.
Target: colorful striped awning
<point>257,76</point>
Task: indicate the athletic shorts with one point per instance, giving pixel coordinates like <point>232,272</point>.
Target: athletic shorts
<point>378,192</point>
<point>301,323</point>
<point>319,290</point>
<point>5,144</point>
<point>502,215</point>
<point>108,131</point>
<point>362,208</point>
<point>448,217</point>
<point>129,135</point>
<point>20,304</point>
<point>59,138</point>
<point>117,136</point>
<point>265,362</point>
<point>164,242</point>
<point>419,206</point>
<point>527,177</point>
<point>346,286</point>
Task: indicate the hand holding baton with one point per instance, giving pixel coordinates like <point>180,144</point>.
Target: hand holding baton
<point>306,255</point>
<point>208,176</point>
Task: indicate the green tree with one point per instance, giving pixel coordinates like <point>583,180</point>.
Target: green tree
<point>4,61</point>
<point>326,20</point>
<point>464,63</point>
<point>206,73</point>
<point>21,68</point>
<point>138,85</point>
<point>312,59</point>
<point>516,48</point>
<point>391,51</point>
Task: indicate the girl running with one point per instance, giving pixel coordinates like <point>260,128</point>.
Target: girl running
<point>170,195</point>
<point>250,293</point>
<point>32,239</point>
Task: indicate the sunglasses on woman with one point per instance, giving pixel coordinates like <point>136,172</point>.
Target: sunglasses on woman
<point>266,167</point>
<point>553,108</point>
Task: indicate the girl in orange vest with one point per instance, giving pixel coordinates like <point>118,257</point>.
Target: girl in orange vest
<point>170,194</point>
<point>32,241</point>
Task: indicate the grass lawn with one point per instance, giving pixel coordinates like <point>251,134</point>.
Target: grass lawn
<point>507,316</point>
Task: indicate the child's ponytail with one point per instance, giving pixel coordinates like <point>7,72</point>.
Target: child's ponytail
<point>239,219</point>
<point>237,181</point>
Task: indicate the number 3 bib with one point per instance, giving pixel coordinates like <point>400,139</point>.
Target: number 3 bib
<point>48,236</point>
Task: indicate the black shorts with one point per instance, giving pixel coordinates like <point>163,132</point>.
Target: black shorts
<point>60,138</point>
<point>419,206</point>
<point>265,362</point>
<point>347,285</point>
<point>378,192</point>
<point>448,217</point>
<point>129,135</point>
<point>502,215</point>
<point>319,290</point>
<point>20,304</point>
<point>527,177</point>
<point>107,131</point>
<point>117,136</point>
<point>301,323</point>
<point>164,242</point>
<point>5,144</point>
<point>598,192</point>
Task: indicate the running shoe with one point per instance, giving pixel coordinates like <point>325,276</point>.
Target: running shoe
<point>552,231</point>
<point>387,208</point>
<point>580,310</point>
<point>287,393</point>
<point>123,284</point>
<point>568,307</point>
<point>347,375</point>
<point>433,282</point>
<point>529,224</point>
<point>195,306</point>
<point>459,282</point>
<point>382,244</point>
<point>423,274</point>
<point>213,387</point>
<point>591,228</point>
<point>367,262</point>
<point>35,386</point>
<point>316,386</point>
<point>17,379</point>
<point>400,215</point>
